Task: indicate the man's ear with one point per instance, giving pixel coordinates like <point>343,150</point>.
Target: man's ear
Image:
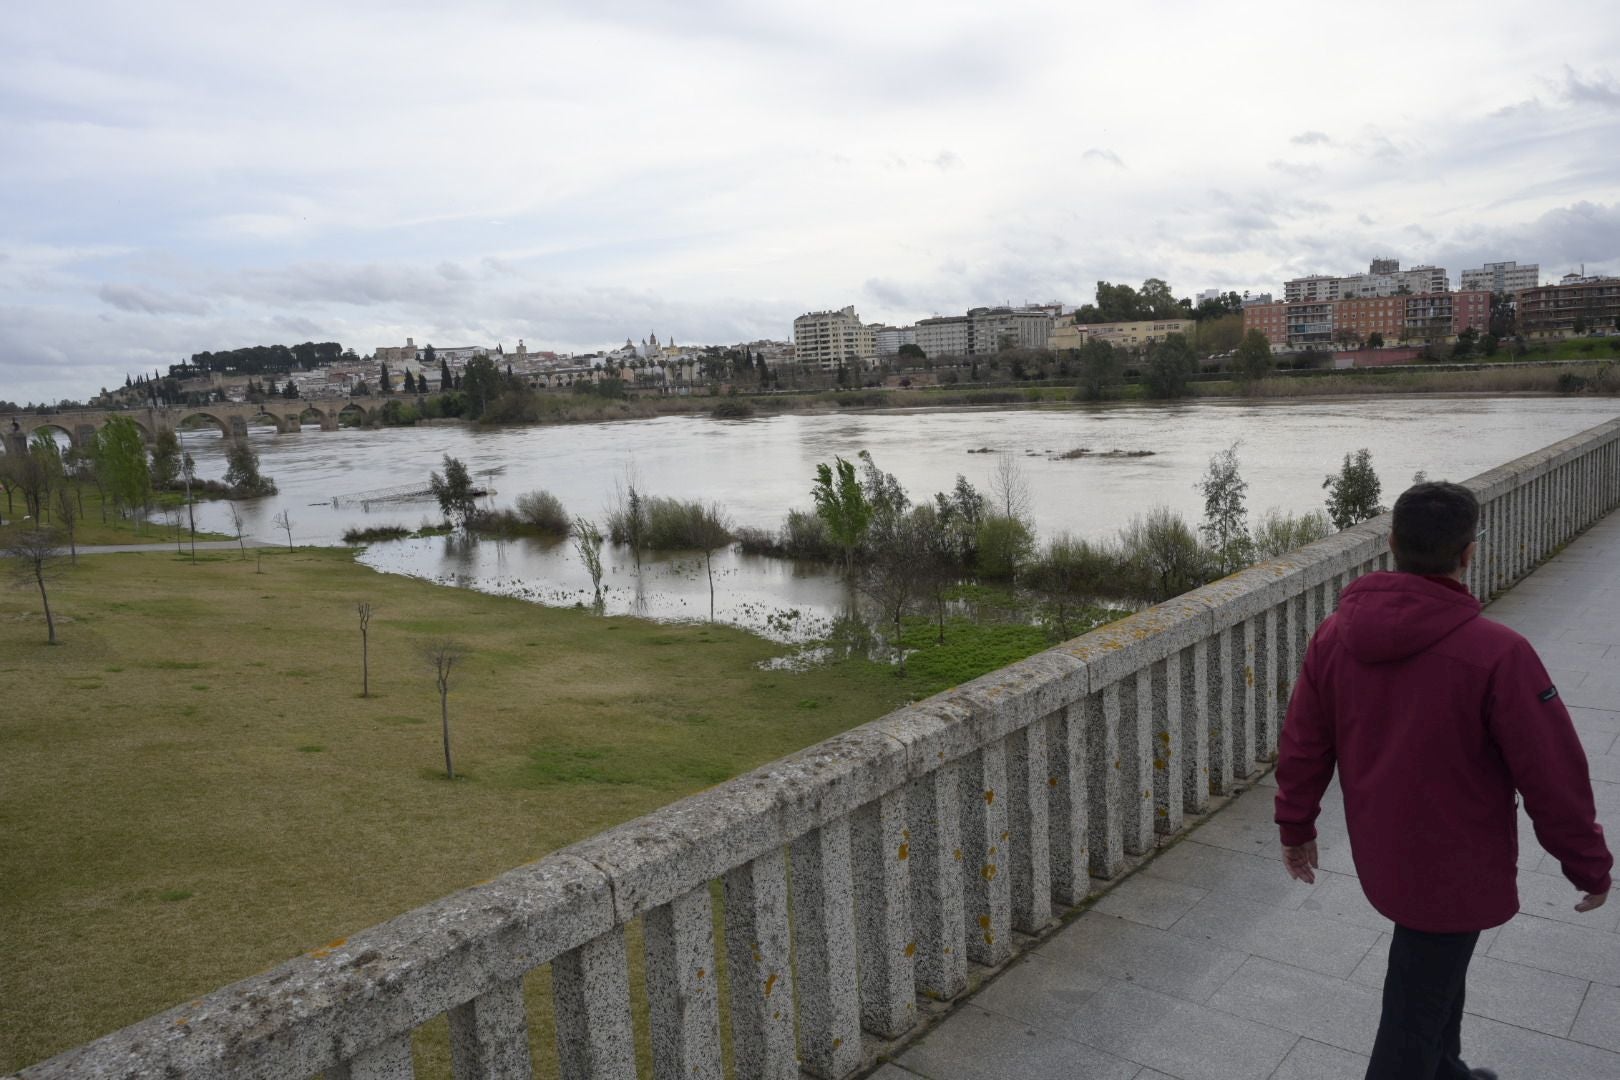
<point>1467,555</point>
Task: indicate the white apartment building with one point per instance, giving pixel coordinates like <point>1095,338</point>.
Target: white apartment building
<point>1503,277</point>
<point>1383,278</point>
<point>826,339</point>
<point>1018,328</point>
<point>888,339</point>
<point>945,335</point>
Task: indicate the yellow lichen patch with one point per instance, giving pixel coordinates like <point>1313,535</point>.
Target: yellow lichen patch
<point>989,939</point>
<point>992,851</point>
<point>957,854</point>
<point>1116,763</point>
<point>702,972</point>
<point>911,948</point>
<point>905,833</point>
<point>905,851</point>
<point>770,984</point>
<point>984,922</point>
<point>989,797</point>
<point>1005,836</point>
<point>837,1043</point>
<point>1248,675</point>
<point>989,872</point>
<point>1051,781</point>
<point>1160,764</point>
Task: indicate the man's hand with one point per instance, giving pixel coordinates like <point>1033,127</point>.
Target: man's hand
<point>1301,861</point>
<point>1592,901</point>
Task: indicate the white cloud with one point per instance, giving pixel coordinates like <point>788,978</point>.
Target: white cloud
<point>575,173</point>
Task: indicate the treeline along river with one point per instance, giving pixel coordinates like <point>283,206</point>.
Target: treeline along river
<point>760,468</point>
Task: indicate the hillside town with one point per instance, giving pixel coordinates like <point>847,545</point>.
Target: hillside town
<point>1385,315</point>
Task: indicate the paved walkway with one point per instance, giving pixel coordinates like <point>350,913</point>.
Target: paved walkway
<point>1211,964</point>
<point>202,545</point>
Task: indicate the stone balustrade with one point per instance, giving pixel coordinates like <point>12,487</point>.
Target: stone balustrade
<point>879,867</point>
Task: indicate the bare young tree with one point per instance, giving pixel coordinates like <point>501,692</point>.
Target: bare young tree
<point>1009,489</point>
<point>443,656</point>
<point>363,609</point>
<point>34,554</point>
<point>283,521</point>
<point>588,544</point>
<point>188,469</point>
<point>67,516</point>
<point>236,526</point>
<point>711,530</point>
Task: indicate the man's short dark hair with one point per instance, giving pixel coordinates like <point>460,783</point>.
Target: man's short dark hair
<point>1434,524</point>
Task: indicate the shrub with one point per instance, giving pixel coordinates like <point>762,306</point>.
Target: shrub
<point>804,536</point>
<point>543,512</point>
<point>732,410</point>
<point>374,533</point>
<point>1278,533</point>
<point>1005,544</point>
<point>1161,555</point>
<point>754,541</point>
<point>673,525</point>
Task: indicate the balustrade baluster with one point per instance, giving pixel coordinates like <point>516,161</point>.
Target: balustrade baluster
<point>1245,717</point>
<point>489,1035</point>
<point>1164,682</point>
<point>682,989</point>
<point>590,992</point>
<point>759,970</point>
<point>824,939</point>
<point>1028,852</point>
<point>1268,672</point>
<point>987,891</point>
<point>1194,691</point>
<point>880,842</point>
<point>934,813</point>
<point>1222,703</point>
<point>388,1060</point>
<point>1067,803</point>
<point>1106,775</point>
<point>1136,759</point>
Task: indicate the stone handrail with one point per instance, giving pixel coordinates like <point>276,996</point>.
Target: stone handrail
<point>857,874</point>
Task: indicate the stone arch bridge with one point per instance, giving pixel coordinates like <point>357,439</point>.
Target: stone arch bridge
<point>232,418</point>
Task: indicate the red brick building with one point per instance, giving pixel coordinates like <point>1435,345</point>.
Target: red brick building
<point>1318,324</point>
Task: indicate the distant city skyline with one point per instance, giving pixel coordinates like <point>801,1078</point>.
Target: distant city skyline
<point>179,181</point>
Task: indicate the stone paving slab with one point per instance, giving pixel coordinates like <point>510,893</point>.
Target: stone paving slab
<point>1210,964</point>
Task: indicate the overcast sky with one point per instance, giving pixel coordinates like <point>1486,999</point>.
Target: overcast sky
<point>179,177</point>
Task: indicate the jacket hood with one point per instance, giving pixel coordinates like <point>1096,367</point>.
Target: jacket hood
<point>1387,616</point>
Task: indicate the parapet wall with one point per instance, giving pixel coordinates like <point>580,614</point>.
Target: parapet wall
<point>857,875</point>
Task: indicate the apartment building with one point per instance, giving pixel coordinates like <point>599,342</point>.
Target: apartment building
<point>825,339</point>
<point>888,339</point>
<point>945,335</point>
<point>1384,277</point>
<point>1555,310</point>
<point>995,328</point>
<point>1508,278</point>
<point>1311,324</point>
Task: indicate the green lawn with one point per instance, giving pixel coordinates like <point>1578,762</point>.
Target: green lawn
<point>193,789</point>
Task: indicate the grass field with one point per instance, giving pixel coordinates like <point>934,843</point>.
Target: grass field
<point>168,521</point>
<point>193,789</point>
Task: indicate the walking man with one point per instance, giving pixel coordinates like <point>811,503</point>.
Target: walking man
<point>1435,717</point>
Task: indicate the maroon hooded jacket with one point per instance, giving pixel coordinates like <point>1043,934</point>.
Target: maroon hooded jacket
<point>1435,716</point>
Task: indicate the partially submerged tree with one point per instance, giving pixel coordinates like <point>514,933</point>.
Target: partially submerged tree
<point>842,505</point>
<point>1353,491</point>
<point>242,470</point>
<point>588,544</point>
<point>1009,489</point>
<point>711,531</point>
<point>120,457</point>
<point>34,554</point>
<point>443,656</point>
<point>363,609</point>
<point>165,459</point>
<point>454,490</point>
<point>1225,528</point>
<point>893,575</point>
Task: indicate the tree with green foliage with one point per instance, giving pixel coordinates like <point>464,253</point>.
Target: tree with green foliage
<point>385,382</point>
<point>481,381</point>
<point>1466,340</point>
<point>1353,491</point>
<point>1170,367</point>
<point>1253,359</point>
<point>1225,528</point>
<point>588,545</point>
<point>410,382</point>
<point>1163,554</point>
<point>447,381</point>
<point>165,459</point>
<point>290,391</point>
<point>242,474</point>
<point>711,531</point>
<point>912,351</point>
<point>1102,368</point>
<point>1068,574</point>
<point>120,456</point>
<point>454,490</point>
<point>842,506</point>
<point>1375,340</point>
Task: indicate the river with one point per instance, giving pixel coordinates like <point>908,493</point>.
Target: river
<point>759,468</point>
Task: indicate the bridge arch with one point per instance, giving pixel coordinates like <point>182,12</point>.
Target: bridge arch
<point>354,412</point>
<point>220,420</point>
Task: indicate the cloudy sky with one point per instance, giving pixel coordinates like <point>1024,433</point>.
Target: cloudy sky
<point>188,176</point>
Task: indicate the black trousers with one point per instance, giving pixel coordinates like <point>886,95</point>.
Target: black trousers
<point>1420,1033</point>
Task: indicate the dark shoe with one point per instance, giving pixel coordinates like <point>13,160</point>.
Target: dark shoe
<point>1482,1074</point>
